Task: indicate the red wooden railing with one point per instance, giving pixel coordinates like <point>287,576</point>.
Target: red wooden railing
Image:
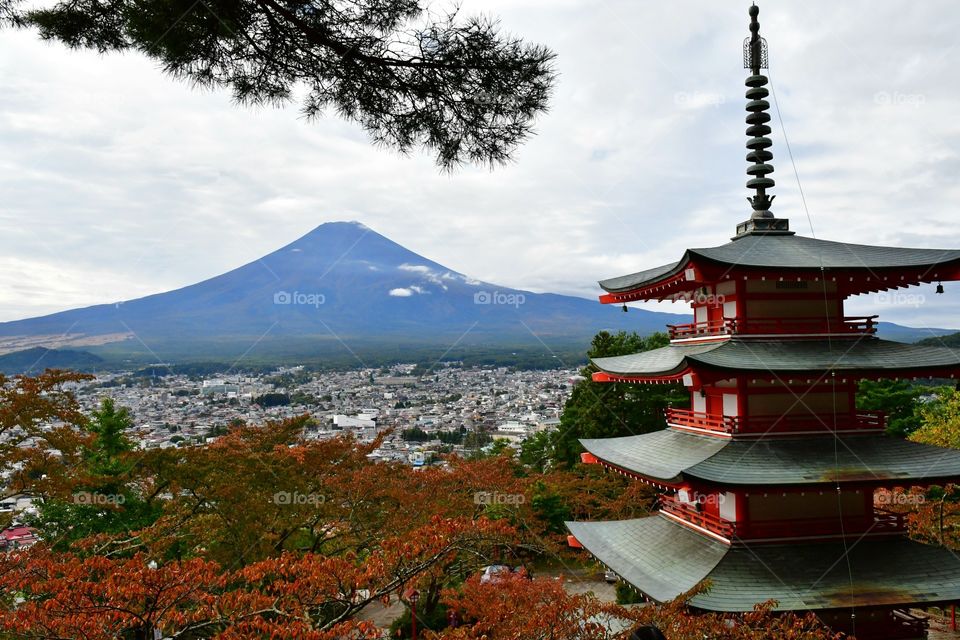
<point>699,420</point>
<point>697,517</point>
<point>882,521</point>
<point>852,325</point>
<point>776,423</point>
<point>699,329</point>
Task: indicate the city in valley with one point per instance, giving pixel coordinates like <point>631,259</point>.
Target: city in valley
<point>446,409</point>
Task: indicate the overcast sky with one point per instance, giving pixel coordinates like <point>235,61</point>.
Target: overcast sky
<point>117,181</point>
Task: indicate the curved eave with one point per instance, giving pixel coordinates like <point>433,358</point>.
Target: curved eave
<point>659,557</point>
<point>671,457</point>
<point>634,281</point>
<point>864,357</point>
<point>857,268</point>
<point>866,460</point>
<point>823,576</point>
<point>664,560</point>
<point>660,456</point>
<point>666,364</point>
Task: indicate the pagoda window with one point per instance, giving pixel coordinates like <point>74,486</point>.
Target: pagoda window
<point>700,313</point>
<point>731,404</point>
<point>728,506</point>
<point>729,308</point>
<point>698,402</point>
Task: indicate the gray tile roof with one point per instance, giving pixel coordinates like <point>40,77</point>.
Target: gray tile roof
<point>661,558</point>
<point>664,560</point>
<point>661,455</point>
<point>792,252</point>
<point>671,455</point>
<point>624,283</point>
<point>800,356</point>
<point>786,461</point>
<point>815,576</point>
<point>662,361</point>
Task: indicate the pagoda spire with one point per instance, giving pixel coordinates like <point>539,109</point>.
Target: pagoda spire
<point>755,59</point>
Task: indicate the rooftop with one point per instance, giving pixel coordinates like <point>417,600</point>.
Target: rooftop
<point>669,456</point>
<point>865,355</point>
<point>793,252</point>
<point>664,560</point>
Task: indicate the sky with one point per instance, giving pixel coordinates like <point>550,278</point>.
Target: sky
<point>118,181</point>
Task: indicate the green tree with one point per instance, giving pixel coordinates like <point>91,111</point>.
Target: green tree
<point>109,425</point>
<point>611,409</point>
<point>536,451</point>
<point>411,77</point>
<point>895,398</point>
<point>550,507</point>
<point>103,499</point>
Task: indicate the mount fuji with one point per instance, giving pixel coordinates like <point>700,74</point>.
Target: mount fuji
<point>341,284</point>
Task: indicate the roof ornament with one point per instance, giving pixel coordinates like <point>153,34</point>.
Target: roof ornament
<point>755,58</point>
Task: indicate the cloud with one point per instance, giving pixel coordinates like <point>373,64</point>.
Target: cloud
<point>406,292</point>
<point>120,181</point>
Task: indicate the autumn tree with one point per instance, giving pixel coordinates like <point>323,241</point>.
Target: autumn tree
<point>411,77</point>
<point>41,435</point>
<point>292,595</point>
<point>514,608</point>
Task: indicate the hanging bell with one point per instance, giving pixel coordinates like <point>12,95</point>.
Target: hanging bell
<point>624,308</point>
<point>939,287</point>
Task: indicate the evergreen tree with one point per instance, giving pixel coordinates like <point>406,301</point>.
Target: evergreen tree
<point>456,86</point>
<point>611,409</point>
<point>897,399</point>
<point>103,501</point>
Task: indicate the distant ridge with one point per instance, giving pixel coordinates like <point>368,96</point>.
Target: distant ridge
<point>37,359</point>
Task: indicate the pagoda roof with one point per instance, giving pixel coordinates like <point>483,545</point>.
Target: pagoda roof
<point>866,354</point>
<point>661,455</point>
<point>784,252</point>
<point>670,456</point>
<point>657,556</point>
<point>665,559</point>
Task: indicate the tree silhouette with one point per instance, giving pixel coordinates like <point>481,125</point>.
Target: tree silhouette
<point>455,86</point>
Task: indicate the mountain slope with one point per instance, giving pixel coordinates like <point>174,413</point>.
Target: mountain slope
<point>346,283</point>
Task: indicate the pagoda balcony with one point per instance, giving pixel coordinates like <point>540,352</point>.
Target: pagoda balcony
<point>694,514</point>
<point>881,522</point>
<point>847,326</point>
<point>775,423</point>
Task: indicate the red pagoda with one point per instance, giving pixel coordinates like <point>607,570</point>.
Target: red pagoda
<point>768,480</point>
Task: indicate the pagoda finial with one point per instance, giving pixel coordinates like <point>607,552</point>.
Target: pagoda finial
<point>755,59</point>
